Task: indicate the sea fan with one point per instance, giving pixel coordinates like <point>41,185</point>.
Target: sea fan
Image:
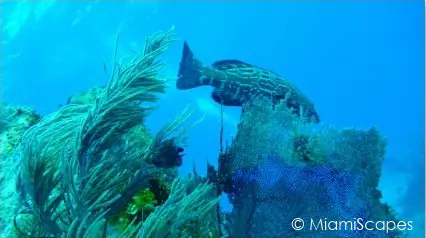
<point>270,196</point>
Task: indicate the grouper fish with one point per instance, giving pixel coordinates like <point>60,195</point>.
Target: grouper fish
<point>236,82</point>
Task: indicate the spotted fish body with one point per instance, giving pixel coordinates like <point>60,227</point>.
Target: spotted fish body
<point>236,82</point>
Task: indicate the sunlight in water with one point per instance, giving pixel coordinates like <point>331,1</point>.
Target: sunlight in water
<point>22,13</point>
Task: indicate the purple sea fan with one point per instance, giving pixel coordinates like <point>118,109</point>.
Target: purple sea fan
<point>267,198</point>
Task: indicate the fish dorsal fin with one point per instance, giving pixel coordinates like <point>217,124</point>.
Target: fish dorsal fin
<point>231,64</point>
<point>224,65</point>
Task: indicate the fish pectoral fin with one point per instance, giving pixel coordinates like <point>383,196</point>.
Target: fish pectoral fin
<point>219,96</point>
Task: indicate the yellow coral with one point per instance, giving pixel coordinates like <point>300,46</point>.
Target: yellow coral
<point>143,201</point>
<point>141,205</point>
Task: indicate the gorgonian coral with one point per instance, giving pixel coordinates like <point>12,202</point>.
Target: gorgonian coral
<point>188,212</point>
<point>77,168</point>
<point>276,192</point>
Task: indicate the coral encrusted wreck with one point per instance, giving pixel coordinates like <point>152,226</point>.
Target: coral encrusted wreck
<point>280,168</point>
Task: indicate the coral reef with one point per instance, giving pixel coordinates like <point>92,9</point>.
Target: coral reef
<point>92,169</point>
<point>15,120</point>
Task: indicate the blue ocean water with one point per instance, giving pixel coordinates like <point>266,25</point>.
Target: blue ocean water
<point>361,63</point>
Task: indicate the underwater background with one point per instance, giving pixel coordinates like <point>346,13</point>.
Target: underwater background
<point>361,63</point>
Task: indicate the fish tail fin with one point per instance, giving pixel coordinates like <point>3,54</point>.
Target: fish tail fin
<point>190,70</point>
